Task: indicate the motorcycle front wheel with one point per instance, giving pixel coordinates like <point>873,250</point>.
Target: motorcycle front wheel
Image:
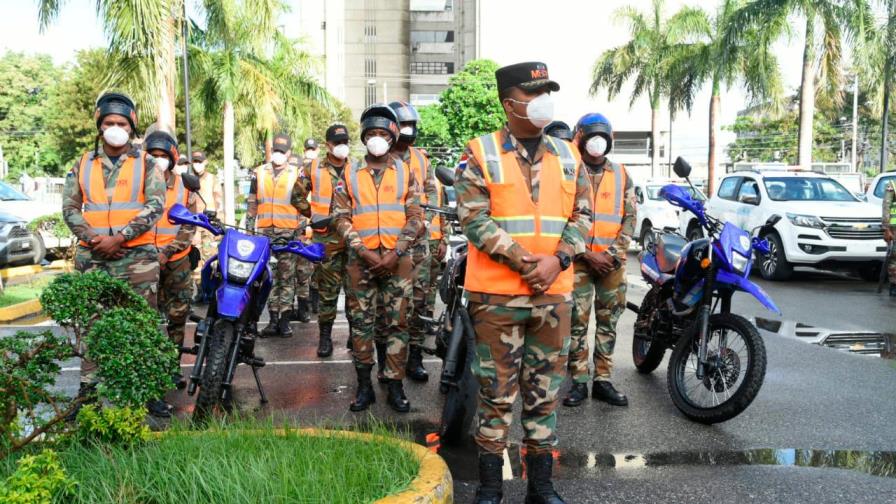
<point>210,395</point>
<point>460,403</point>
<point>733,372</point>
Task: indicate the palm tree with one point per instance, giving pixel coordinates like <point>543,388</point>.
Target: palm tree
<point>142,36</point>
<point>723,62</point>
<point>646,58</point>
<point>829,23</point>
<point>244,69</point>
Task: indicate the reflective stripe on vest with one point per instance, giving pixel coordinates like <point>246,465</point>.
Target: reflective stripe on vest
<point>435,228</point>
<point>321,192</point>
<point>166,232</point>
<point>607,208</point>
<point>108,216</point>
<point>275,198</point>
<point>536,227</point>
<point>378,213</point>
<point>418,166</point>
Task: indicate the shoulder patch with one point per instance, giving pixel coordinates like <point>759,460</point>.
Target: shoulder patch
<point>462,163</point>
<point>340,186</point>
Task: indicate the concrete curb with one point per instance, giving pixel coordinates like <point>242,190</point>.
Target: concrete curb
<point>20,271</point>
<point>20,310</point>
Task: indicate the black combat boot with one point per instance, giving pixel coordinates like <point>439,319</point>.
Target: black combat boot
<point>540,490</point>
<point>577,395</point>
<point>381,363</point>
<point>396,399</point>
<point>302,312</point>
<point>315,301</point>
<point>364,396</point>
<point>414,368</point>
<point>491,476</point>
<point>604,391</point>
<point>325,345</point>
<point>284,330</point>
<point>273,327</point>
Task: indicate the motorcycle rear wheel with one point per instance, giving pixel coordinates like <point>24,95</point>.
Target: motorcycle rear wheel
<point>647,354</point>
<point>209,399</point>
<point>728,366</point>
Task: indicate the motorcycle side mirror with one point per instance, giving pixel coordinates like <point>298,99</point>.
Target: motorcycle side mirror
<point>445,176</point>
<point>681,167</point>
<point>191,181</point>
<point>773,220</point>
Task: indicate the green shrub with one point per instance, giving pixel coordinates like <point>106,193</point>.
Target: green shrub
<point>38,479</point>
<point>53,224</point>
<point>121,426</point>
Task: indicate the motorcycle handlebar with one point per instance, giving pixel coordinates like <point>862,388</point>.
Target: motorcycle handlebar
<point>450,214</point>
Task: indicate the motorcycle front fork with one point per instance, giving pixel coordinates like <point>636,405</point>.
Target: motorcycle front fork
<point>703,334</point>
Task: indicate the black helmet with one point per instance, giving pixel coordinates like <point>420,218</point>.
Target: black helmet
<point>558,129</point>
<point>160,137</point>
<point>379,116</point>
<point>406,113</point>
<point>115,103</point>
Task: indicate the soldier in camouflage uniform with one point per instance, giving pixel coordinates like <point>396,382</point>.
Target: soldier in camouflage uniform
<point>889,224</point>
<point>118,242</point>
<point>378,214</point>
<point>518,278</point>
<point>304,267</point>
<point>439,231</point>
<point>325,176</point>
<point>600,272</point>
<point>279,209</point>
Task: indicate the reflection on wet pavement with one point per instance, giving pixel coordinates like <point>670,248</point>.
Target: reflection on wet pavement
<point>861,342</point>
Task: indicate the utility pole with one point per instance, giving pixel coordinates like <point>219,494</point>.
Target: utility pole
<point>187,89</point>
<point>888,68</point>
<point>855,122</point>
<point>669,145</point>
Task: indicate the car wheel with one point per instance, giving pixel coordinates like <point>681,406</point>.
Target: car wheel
<point>694,232</point>
<point>40,251</point>
<point>647,234</point>
<point>775,266</point>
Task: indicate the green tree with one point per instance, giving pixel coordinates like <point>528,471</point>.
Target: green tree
<point>433,131</point>
<point>470,104</point>
<point>722,63</point>
<point>25,84</point>
<point>767,138</point>
<point>656,44</point>
<point>829,24</point>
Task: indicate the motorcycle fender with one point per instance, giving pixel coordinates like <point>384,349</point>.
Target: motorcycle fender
<point>232,300</point>
<point>748,286</point>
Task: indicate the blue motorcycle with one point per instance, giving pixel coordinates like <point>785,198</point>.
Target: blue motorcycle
<point>237,281</point>
<point>718,358</point>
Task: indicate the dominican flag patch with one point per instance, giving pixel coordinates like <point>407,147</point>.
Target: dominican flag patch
<point>462,164</point>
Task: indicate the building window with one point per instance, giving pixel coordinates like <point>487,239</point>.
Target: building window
<point>370,95</point>
<point>369,67</point>
<point>432,68</point>
<point>431,36</point>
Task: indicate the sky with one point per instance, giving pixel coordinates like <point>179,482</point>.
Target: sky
<point>569,44</point>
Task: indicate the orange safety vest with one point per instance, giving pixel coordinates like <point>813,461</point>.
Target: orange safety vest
<point>435,228</point>
<point>418,166</point>
<point>607,208</point>
<point>165,232</point>
<point>275,198</point>
<point>322,190</point>
<point>378,213</point>
<point>107,217</point>
<point>536,227</point>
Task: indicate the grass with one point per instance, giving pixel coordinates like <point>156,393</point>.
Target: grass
<point>19,293</point>
<point>229,463</point>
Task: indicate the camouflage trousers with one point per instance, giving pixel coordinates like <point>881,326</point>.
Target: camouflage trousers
<point>609,304</point>
<point>207,244</point>
<point>174,296</point>
<point>284,270</point>
<point>420,255</point>
<point>363,292</point>
<point>139,268</point>
<point>435,272</point>
<point>520,351</point>
<point>304,273</point>
<point>330,277</point>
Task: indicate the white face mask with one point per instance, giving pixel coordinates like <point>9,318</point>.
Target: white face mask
<point>162,163</point>
<point>596,146</point>
<point>539,111</point>
<point>278,158</point>
<point>377,146</point>
<point>116,136</point>
<point>407,130</point>
<point>341,151</point>
<point>199,167</point>
<point>179,169</point>
<point>311,154</point>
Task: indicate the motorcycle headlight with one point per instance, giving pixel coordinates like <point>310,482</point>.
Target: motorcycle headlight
<point>805,221</point>
<point>239,271</point>
<point>739,262</point>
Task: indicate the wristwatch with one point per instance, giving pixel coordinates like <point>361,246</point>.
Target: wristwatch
<point>565,260</point>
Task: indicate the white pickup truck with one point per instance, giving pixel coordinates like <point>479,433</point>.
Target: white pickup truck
<point>822,225</point>
<point>654,212</point>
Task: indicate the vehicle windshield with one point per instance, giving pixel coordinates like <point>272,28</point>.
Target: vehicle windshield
<point>653,192</point>
<point>882,185</point>
<point>806,189</point>
<point>7,193</point>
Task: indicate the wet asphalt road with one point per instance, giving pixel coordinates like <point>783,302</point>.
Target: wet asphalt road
<point>813,398</point>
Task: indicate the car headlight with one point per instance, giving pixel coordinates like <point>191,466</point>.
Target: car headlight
<point>805,221</point>
<point>739,262</point>
<point>239,271</point>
